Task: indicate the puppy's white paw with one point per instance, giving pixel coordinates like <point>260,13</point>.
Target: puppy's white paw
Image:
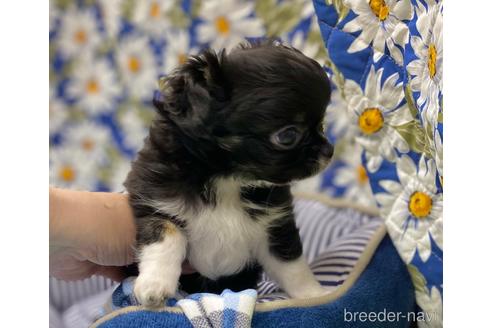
<point>152,291</point>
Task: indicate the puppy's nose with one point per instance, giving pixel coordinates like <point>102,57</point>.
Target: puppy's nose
<point>326,150</point>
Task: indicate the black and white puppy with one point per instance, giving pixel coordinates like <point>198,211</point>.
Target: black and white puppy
<point>211,183</point>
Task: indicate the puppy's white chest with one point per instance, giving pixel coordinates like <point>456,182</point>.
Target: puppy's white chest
<point>222,239</point>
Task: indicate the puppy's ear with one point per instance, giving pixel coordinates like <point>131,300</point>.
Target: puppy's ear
<point>195,86</point>
<point>205,70</point>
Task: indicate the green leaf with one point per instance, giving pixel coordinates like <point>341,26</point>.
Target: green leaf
<point>278,18</point>
<point>338,79</point>
<point>418,279</point>
<point>64,4</point>
<point>413,133</point>
<point>429,131</point>
<point>263,7</point>
<point>106,172</point>
<point>342,146</point>
<point>341,9</point>
<point>411,105</point>
<point>314,37</point>
<point>127,9</point>
<point>107,46</point>
<point>440,117</point>
<point>195,8</point>
<point>178,17</point>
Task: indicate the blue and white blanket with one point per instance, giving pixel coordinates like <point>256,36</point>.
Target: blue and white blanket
<point>228,309</point>
<point>204,310</point>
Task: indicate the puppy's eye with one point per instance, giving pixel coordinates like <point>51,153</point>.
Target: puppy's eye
<point>287,137</point>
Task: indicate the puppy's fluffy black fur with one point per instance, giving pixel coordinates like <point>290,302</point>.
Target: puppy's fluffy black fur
<point>216,119</point>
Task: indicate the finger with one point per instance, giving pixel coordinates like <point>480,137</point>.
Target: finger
<point>73,271</point>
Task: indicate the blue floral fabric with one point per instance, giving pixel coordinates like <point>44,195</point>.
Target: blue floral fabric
<point>107,56</point>
<point>385,58</point>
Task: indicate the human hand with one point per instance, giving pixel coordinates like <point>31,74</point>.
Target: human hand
<point>90,233</point>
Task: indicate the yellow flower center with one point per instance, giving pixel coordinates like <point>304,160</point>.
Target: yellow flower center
<point>420,204</point>
<point>155,10</point>
<point>432,60</point>
<point>133,64</point>
<point>362,175</point>
<point>80,36</point>
<point>67,173</point>
<point>87,144</point>
<point>222,25</point>
<point>379,8</point>
<point>181,59</point>
<point>92,86</point>
<point>371,121</point>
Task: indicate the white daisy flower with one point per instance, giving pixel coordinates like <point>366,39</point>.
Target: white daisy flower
<point>111,11</point>
<point>412,208</point>
<point>69,168</point>
<point>150,16</point>
<point>339,118</point>
<point>177,49</point>
<point>78,32</point>
<point>353,177</point>
<point>94,85</point>
<point>118,175</point>
<point>134,129</point>
<point>376,110</point>
<point>58,114</point>
<point>90,138</point>
<point>226,23</point>
<point>138,67</point>
<point>381,24</point>
<point>426,70</point>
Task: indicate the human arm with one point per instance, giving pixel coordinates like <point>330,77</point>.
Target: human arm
<point>90,233</point>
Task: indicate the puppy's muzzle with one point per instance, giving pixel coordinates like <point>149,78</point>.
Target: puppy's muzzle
<point>326,151</point>
<point>325,155</point>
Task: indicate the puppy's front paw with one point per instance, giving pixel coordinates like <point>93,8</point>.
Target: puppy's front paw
<point>151,291</point>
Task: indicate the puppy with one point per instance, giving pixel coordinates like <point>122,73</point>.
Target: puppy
<point>211,183</point>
